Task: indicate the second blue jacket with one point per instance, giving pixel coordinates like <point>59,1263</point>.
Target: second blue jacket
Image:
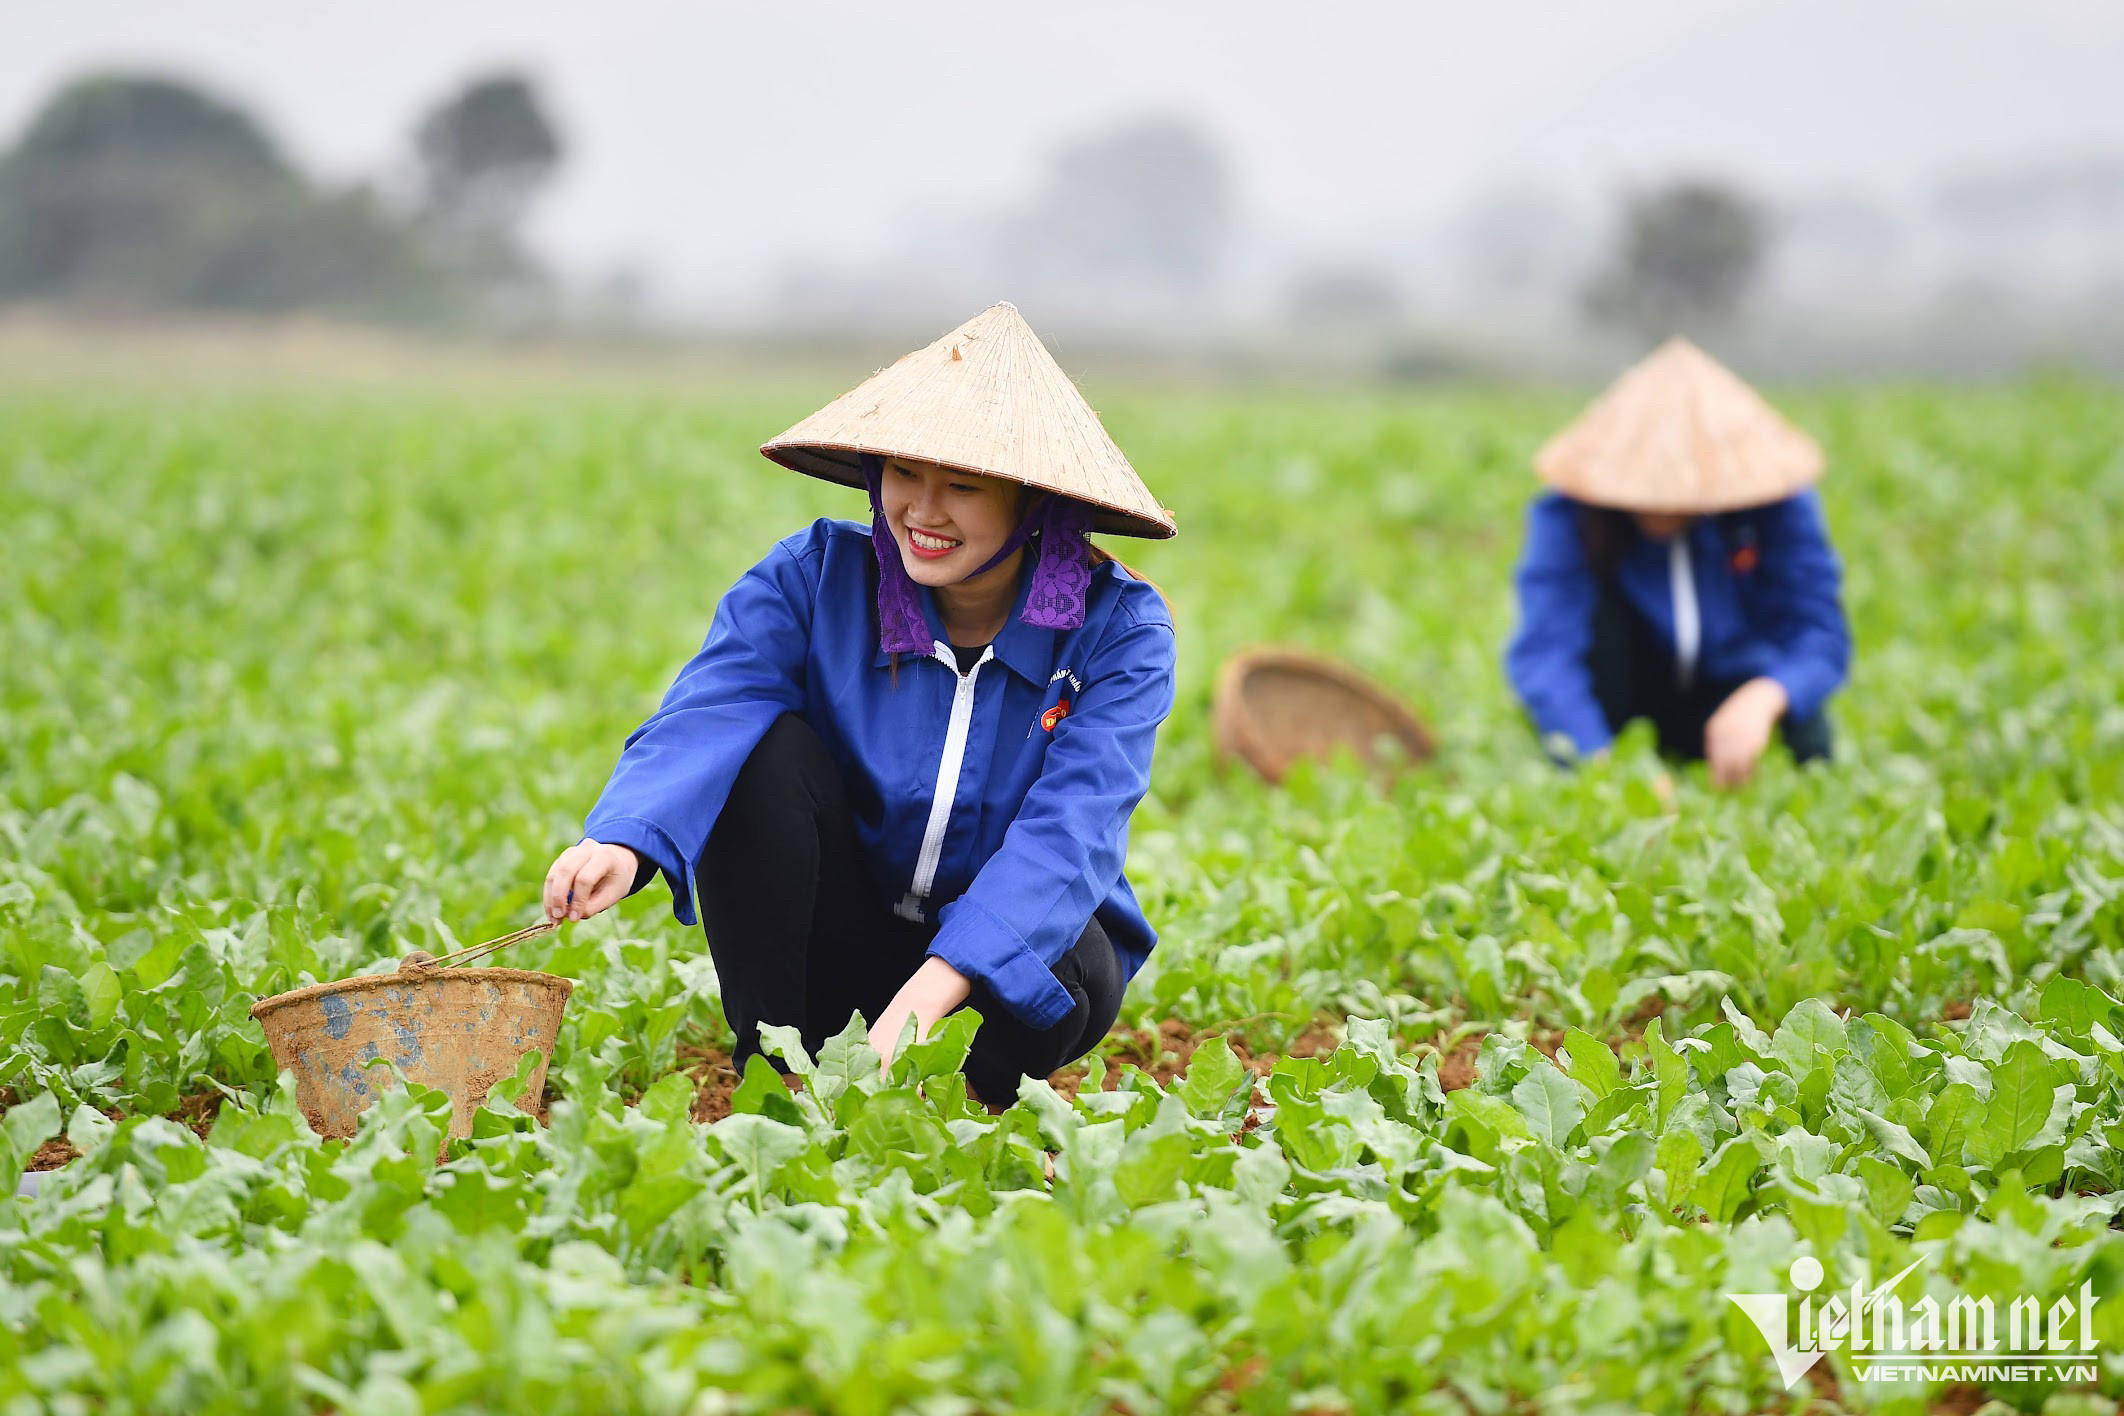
<point>1766,582</point>
<point>1039,754</point>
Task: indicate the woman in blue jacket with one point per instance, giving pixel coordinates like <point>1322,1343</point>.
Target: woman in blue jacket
<point>1680,573</point>
<point>901,768</point>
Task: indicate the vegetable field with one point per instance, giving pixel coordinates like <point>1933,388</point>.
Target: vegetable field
<point>1473,1095</point>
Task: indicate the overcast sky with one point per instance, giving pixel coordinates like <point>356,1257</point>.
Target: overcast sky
<point>711,144</point>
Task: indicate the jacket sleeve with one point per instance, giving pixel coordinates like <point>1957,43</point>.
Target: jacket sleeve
<point>1546,660</point>
<point>1063,852</point>
<point>677,768</point>
<point>1800,606</point>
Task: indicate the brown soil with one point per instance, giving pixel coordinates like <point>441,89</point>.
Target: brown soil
<point>54,1153</point>
<point>195,1113</point>
<point>1824,1383</point>
<point>1954,1012</point>
<point>1456,1069</point>
<point>715,1078</point>
<point>1166,1053</point>
<point>1244,1375</point>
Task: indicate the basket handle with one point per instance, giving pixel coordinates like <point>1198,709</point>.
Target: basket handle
<point>464,956</point>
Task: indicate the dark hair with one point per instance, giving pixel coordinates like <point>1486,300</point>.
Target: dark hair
<point>1606,536</point>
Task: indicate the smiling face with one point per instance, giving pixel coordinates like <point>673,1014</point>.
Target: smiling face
<point>947,523</point>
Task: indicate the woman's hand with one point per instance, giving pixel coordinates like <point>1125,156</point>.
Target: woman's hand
<point>588,878</point>
<point>1735,735</point>
<point>935,990</point>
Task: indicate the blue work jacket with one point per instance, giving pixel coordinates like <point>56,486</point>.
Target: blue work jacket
<point>1765,584</point>
<point>1039,753</point>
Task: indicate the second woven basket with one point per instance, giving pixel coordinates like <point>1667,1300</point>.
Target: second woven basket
<point>1273,706</point>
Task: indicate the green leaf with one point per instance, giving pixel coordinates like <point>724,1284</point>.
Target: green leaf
<point>2041,1166</point>
<point>1309,1136</point>
<point>1947,1121</point>
<point>787,1043</point>
<point>1492,1116</point>
<point>1628,1160</point>
<point>1805,1154</point>
<point>1820,1220</point>
<point>761,1092</point>
<point>1214,1078</point>
<point>1809,1033</point>
<point>1296,1079</point>
<point>847,1060</point>
<point>1055,1118</point>
<point>1993,916</point>
<point>1888,1189</point>
<point>671,1099</point>
<point>1752,1040</point>
<point>1883,1046</point>
<point>99,985</point>
<point>1726,1185</point>
<point>510,1089</point>
<point>896,1128</point>
<point>759,1143</point>
<point>944,1051</point>
<point>1617,1106</point>
<point>88,1129</point>
<point>22,1131</point>
<point>2075,1008</point>
<point>1855,1087</point>
<point>1593,1065</point>
<point>2022,1093</point>
<point>1549,1101</point>
<point>1678,1157</point>
<point>1669,1069</point>
<point>1896,1140</point>
<point>1151,1166</point>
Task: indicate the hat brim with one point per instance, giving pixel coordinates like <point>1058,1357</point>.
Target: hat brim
<point>841,463</point>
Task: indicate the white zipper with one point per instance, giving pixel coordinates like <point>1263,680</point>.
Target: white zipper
<point>948,768</point>
<point>1688,629</point>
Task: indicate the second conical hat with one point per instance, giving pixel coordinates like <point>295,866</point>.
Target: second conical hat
<point>1679,433</point>
<point>987,398</point>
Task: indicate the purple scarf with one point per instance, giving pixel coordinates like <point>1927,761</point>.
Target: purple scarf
<point>1061,573</point>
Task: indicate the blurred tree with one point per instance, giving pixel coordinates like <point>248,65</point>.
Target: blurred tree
<point>143,192</point>
<point>484,155</point>
<point>1148,203</point>
<point>123,186</point>
<point>1686,257</point>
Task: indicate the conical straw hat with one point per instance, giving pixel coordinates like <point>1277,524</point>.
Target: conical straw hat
<point>988,398</point>
<point>1679,433</point>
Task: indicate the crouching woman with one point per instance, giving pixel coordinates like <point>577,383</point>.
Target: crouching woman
<point>1680,572</point>
<point>901,768</point>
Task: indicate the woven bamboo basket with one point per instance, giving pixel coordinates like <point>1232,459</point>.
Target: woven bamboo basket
<point>1274,706</point>
<point>459,1030</point>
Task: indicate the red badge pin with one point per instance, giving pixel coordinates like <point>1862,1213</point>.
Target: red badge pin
<point>1054,715</point>
<point>1744,559</point>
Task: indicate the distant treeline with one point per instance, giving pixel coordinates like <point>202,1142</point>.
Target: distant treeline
<point>138,193</point>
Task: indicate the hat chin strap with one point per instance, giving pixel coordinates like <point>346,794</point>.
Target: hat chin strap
<point>1061,573</point>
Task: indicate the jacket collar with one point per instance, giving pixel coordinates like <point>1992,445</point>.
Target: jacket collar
<point>1027,650</point>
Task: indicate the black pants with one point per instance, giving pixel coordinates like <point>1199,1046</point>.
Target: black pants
<point>802,935</point>
<point>1634,677</point>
